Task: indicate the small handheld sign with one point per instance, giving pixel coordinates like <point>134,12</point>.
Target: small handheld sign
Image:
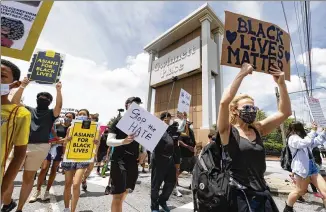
<point>81,147</point>
<point>184,101</point>
<point>148,129</point>
<point>316,111</point>
<point>46,67</point>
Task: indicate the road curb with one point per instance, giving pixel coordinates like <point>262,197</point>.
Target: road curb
<point>281,192</point>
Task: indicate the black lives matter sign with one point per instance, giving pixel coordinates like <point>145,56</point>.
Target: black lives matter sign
<point>248,40</point>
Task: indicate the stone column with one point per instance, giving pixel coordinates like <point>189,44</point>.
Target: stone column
<point>206,73</point>
<point>218,77</point>
<point>149,91</point>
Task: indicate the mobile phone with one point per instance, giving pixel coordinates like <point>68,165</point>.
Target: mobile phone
<point>86,124</point>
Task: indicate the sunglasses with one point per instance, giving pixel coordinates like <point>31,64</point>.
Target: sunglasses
<point>249,108</point>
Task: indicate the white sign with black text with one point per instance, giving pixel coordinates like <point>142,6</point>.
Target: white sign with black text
<point>316,111</point>
<point>184,101</point>
<point>147,128</point>
<point>182,60</point>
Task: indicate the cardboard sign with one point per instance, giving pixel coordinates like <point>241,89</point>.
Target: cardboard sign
<point>147,128</point>
<point>316,112</point>
<point>184,101</point>
<point>256,42</point>
<point>46,67</point>
<point>21,26</point>
<point>81,147</point>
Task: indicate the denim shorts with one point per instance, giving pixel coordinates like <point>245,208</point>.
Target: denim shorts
<point>313,168</point>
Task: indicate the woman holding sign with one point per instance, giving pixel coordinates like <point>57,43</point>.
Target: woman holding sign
<point>303,164</point>
<point>241,135</point>
<point>74,171</point>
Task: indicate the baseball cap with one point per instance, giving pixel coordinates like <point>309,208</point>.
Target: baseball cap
<point>133,99</point>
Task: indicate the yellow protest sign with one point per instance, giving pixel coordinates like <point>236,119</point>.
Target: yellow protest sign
<point>21,25</point>
<point>81,147</point>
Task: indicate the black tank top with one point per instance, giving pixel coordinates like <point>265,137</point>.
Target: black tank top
<point>248,161</point>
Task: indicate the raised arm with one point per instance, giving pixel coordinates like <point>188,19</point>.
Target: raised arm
<point>227,97</point>
<point>58,102</point>
<point>16,99</point>
<point>267,125</point>
<point>297,142</point>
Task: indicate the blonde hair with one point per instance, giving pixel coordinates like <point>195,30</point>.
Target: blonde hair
<point>234,104</point>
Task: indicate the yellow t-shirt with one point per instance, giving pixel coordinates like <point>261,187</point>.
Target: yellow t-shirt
<point>21,126</point>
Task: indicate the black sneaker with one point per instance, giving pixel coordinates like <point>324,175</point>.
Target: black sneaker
<point>301,200</point>
<point>84,186</point>
<point>165,207</point>
<point>107,190</point>
<point>10,207</point>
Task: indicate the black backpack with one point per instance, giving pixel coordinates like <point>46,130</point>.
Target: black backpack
<point>211,178</point>
<point>286,158</point>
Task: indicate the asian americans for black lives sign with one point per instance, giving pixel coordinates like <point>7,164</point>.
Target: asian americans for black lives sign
<point>248,40</point>
<point>46,67</point>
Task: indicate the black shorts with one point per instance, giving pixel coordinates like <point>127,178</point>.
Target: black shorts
<point>187,164</point>
<point>176,155</point>
<point>58,156</point>
<point>124,174</point>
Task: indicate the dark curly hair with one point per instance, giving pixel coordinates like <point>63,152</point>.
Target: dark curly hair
<point>14,69</point>
<point>73,114</point>
<point>16,28</point>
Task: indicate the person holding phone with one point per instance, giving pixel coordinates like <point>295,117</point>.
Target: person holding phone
<point>124,165</point>
<point>74,171</point>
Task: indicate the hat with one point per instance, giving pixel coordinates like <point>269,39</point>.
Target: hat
<point>133,99</point>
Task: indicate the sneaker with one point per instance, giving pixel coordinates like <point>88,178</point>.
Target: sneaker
<point>10,207</point>
<point>84,186</point>
<point>165,207</point>
<point>318,195</point>
<point>34,196</point>
<point>66,210</point>
<point>177,193</point>
<point>46,196</point>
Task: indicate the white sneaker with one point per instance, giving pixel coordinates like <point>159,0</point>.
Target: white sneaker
<point>46,196</point>
<point>177,193</point>
<point>66,210</point>
<point>34,196</point>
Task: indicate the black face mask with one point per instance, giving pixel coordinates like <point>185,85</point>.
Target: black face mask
<point>247,117</point>
<point>42,104</point>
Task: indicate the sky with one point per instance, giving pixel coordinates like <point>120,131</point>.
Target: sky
<point>105,61</point>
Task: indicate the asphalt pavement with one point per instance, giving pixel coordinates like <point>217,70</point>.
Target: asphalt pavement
<point>94,199</point>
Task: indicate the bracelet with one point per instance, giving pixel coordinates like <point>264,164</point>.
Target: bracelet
<point>22,86</point>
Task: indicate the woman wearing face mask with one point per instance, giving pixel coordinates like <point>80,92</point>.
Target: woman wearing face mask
<point>303,164</point>
<point>241,137</point>
<point>74,171</point>
<point>54,155</point>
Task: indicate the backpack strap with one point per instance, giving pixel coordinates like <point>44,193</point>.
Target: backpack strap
<point>9,138</point>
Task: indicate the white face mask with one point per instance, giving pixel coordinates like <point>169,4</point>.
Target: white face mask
<point>5,90</point>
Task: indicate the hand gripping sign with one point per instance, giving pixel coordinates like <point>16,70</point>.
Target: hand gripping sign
<point>81,147</point>
<point>248,40</point>
<point>147,128</point>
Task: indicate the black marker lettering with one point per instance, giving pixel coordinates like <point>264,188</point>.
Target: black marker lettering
<point>242,26</point>
<point>242,45</point>
<point>235,53</point>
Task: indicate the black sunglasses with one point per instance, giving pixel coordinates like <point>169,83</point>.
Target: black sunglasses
<point>249,108</point>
